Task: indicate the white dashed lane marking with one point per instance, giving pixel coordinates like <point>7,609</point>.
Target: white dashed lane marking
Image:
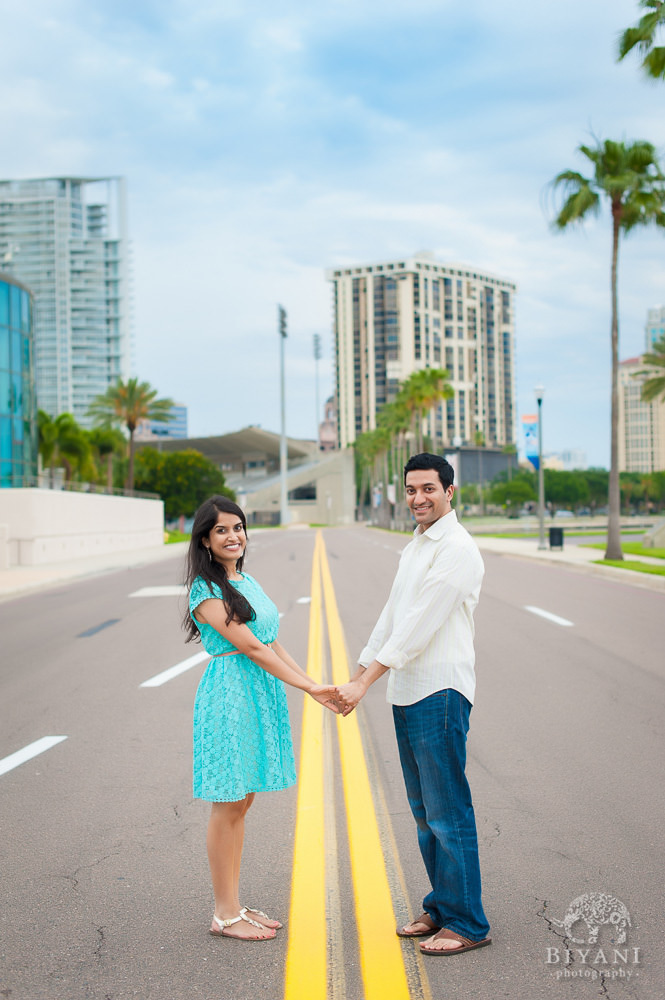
<point>176,591</point>
<point>549,616</point>
<point>175,671</point>
<point>27,753</point>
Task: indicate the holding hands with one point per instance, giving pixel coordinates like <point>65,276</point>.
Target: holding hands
<point>340,700</point>
<point>326,694</point>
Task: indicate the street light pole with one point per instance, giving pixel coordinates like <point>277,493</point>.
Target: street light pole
<point>317,357</point>
<point>539,391</point>
<point>283,498</point>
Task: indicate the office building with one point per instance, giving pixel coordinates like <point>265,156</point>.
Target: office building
<point>66,239</point>
<point>655,327</point>
<point>153,430</point>
<point>641,425</point>
<point>574,458</point>
<point>396,317</point>
<point>18,413</point>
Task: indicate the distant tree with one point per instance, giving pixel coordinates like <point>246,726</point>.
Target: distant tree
<point>633,492</point>
<point>421,392</point>
<point>630,179</point>
<point>654,387</point>
<point>107,443</point>
<point>126,404</point>
<point>46,441</point>
<point>565,489</point>
<point>61,441</point>
<point>511,451</point>
<point>513,495</point>
<point>597,484</point>
<point>643,37</point>
<point>183,479</point>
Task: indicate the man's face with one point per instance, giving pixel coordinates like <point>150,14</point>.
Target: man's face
<point>426,498</point>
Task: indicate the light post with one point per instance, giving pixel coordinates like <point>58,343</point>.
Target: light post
<point>539,391</point>
<point>283,497</point>
<point>317,357</point>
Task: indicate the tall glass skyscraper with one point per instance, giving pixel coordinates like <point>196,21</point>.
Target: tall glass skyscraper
<point>18,413</point>
<point>66,238</point>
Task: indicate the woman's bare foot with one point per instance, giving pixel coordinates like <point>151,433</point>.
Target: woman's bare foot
<point>241,927</point>
<point>262,918</point>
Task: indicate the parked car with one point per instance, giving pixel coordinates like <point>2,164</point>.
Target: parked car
<point>563,513</point>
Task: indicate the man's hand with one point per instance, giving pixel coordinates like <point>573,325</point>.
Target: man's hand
<point>349,694</point>
<point>327,695</point>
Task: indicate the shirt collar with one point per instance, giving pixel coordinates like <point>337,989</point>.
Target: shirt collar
<point>439,528</point>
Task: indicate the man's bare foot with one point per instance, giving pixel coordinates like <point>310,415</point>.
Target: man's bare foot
<point>422,926</point>
<point>447,942</point>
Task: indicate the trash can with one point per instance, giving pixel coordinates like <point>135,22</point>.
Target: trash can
<point>556,538</point>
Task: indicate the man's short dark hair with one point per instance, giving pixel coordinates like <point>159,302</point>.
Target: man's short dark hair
<point>427,461</point>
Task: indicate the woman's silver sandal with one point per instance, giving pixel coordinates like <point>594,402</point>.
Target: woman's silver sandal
<point>218,925</point>
<point>260,913</point>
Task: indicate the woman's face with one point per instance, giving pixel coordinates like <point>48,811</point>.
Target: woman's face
<point>227,540</point>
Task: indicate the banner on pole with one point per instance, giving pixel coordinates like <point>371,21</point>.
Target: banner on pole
<point>530,431</point>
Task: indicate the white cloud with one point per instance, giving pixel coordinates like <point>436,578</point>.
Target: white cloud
<point>262,145</point>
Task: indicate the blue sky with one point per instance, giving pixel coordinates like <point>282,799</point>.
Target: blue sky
<point>264,142</point>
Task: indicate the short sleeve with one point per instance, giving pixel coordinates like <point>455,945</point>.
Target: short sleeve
<point>202,592</point>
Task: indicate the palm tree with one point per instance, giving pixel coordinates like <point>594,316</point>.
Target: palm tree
<point>643,36</point>
<point>630,178</point>
<point>655,372</point>
<point>127,403</point>
<point>46,442</point>
<point>62,440</point>
<point>421,392</point>
<point>107,442</point>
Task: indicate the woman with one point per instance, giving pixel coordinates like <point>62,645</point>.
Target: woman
<point>242,735</point>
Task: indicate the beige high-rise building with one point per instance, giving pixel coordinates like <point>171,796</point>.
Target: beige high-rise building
<point>396,317</point>
<point>641,425</point>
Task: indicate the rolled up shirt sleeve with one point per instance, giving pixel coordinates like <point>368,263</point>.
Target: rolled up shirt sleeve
<point>378,637</point>
<point>447,584</point>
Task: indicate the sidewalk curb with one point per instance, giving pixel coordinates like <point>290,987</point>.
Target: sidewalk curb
<point>20,581</point>
<point>614,573</point>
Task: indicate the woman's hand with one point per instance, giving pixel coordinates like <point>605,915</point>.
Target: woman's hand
<point>349,695</point>
<point>326,694</point>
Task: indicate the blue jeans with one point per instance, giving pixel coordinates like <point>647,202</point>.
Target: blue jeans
<point>431,736</point>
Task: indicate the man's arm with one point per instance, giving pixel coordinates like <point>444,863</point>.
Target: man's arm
<point>349,694</point>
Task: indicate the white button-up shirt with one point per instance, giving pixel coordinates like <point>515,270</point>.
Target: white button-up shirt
<point>425,632</point>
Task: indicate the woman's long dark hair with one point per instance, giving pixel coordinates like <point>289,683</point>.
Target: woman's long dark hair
<point>199,563</point>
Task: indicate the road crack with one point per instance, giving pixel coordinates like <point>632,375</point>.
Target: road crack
<point>100,943</point>
<point>73,878</point>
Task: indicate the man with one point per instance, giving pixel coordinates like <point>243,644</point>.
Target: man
<point>424,638</point>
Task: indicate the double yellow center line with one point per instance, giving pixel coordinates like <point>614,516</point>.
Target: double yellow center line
<point>382,965</point>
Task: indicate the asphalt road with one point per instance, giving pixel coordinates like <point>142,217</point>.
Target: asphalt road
<point>104,877</point>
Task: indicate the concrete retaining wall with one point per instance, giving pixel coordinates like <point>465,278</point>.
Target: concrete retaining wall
<point>51,526</point>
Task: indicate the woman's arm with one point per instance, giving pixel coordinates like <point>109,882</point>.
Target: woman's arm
<point>213,612</point>
<point>288,659</point>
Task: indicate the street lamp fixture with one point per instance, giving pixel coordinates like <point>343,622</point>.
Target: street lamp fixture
<point>539,392</point>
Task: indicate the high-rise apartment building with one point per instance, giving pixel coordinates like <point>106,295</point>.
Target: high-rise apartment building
<point>396,317</point>
<point>641,425</point>
<point>66,239</point>
<point>655,326</point>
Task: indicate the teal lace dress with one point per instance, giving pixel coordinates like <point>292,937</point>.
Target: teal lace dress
<point>242,734</point>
